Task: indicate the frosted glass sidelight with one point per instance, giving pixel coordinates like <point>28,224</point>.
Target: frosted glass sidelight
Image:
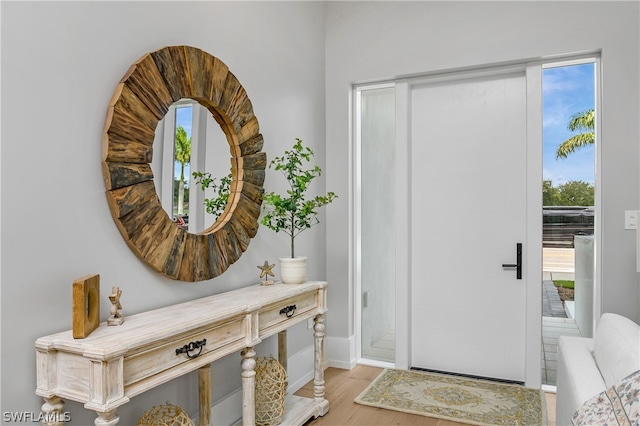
<point>377,220</point>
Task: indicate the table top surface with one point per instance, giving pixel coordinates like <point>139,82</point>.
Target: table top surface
<point>151,326</point>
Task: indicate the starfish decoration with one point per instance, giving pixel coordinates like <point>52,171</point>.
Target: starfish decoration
<point>266,269</point>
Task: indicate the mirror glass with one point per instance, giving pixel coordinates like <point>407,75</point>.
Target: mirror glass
<point>162,85</point>
<point>190,158</point>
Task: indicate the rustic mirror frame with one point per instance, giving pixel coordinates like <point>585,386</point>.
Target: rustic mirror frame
<point>140,101</point>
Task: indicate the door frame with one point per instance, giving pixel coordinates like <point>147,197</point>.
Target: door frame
<point>533,258</point>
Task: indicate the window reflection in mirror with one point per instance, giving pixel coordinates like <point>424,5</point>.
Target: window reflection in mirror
<point>182,163</point>
<point>188,140</point>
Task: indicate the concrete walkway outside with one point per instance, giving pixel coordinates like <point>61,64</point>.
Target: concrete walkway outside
<point>552,329</point>
<point>557,264</point>
<point>551,304</point>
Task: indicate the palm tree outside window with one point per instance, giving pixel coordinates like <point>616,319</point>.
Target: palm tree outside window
<point>583,122</point>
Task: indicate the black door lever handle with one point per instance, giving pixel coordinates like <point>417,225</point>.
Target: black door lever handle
<point>518,264</point>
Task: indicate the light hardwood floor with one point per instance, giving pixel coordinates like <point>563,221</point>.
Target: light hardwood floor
<point>342,387</point>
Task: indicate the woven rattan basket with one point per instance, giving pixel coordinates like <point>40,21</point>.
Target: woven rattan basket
<point>165,415</point>
<point>271,388</point>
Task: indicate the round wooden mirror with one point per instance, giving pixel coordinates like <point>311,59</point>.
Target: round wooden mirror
<point>141,99</point>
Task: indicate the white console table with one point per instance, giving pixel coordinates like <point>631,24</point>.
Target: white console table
<point>115,363</point>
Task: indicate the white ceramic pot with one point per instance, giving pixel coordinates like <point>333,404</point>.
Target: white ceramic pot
<point>293,270</point>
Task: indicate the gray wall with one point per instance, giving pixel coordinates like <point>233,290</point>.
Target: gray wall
<point>382,40</point>
<point>61,62</point>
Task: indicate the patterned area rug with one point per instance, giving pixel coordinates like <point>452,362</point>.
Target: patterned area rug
<point>476,402</point>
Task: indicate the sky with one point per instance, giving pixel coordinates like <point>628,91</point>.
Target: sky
<point>566,91</point>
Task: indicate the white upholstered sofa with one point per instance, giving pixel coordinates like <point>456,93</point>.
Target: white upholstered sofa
<point>588,366</point>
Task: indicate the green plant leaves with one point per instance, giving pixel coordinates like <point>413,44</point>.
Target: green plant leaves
<point>294,213</point>
<point>216,205</point>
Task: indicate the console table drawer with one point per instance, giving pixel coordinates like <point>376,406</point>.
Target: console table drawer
<point>278,313</point>
<point>156,359</point>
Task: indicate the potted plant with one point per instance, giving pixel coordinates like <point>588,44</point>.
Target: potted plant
<point>296,211</point>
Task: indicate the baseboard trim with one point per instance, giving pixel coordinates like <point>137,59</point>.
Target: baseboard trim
<point>341,352</point>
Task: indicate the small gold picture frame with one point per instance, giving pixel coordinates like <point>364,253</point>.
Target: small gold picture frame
<point>86,305</point>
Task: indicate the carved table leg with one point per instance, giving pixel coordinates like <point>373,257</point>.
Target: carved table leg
<point>248,387</point>
<point>108,418</point>
<point>52,409</point>
<point>318,374</point>
<point>204,388</point>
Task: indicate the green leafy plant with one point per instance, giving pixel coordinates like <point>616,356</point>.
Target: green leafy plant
<point>293,213</point>
<point>585,123</point>
<point>216,205</point>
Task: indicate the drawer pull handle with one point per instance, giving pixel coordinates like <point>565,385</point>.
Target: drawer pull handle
<point>192,346</point>
<point>288,310</point>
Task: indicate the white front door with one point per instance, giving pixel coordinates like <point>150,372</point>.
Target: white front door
<point>468,212</point>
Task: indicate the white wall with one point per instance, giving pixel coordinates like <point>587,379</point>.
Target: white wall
<point>61,62</point>
<point>368,41</point>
